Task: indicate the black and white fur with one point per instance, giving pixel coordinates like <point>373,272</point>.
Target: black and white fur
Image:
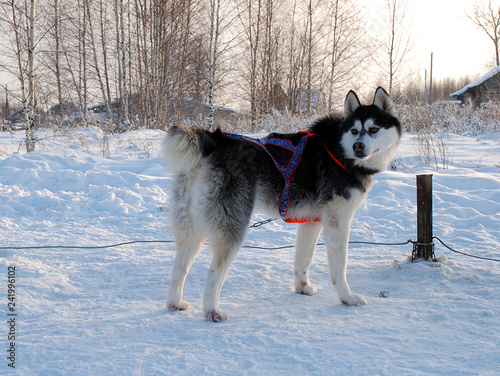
<point>220,180</point>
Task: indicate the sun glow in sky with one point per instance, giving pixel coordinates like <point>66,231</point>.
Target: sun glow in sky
<point>441,27</point>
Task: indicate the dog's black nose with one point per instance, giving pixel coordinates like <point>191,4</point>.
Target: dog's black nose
<point>358,147</point>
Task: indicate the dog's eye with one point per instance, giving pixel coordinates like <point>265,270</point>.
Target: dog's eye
<point>374,130</point>
<point>354,131</point>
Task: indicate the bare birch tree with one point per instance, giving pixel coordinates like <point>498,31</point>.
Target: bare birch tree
<point>21,19</point>
<point>487,17</point>
<point>82,88</point>
<point>212,56</point>
<point>57,40</point>
<point>30,103</point>
<point>95,55</point>
<point>310,44</point>
<point>121,59</point>
<point>397,44</point>
<point>222,16</point>
<point>264,73</point>
<point>346,49</point>
<point>252,26</point>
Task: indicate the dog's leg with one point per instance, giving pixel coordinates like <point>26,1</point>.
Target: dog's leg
<point>337,237</point>
<point>188,246</point>
<point>307,237</point>
<point>224,253</point>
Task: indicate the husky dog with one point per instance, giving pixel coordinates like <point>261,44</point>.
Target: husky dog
<point>221,178</point>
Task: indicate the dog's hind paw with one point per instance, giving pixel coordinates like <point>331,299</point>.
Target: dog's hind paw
<point>182,305</point>
<point>353,300</point>
<point>216,316</point>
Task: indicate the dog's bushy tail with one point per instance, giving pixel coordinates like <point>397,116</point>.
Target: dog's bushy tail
<point>183,147</point>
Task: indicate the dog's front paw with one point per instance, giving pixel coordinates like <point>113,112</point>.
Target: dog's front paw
<point>353,299</point>
<point>305,288</point>
<point>216,316</point>
<point>181,305</point>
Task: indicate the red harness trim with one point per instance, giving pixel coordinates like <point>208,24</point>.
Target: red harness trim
<point>299,221</point>
<point>327,150</point>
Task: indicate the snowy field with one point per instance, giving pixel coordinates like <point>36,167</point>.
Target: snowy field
<point>102,311</point>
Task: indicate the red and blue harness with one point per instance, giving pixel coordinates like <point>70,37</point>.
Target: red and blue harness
<point>288,170</point>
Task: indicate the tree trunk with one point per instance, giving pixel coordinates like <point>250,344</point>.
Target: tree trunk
<point>212,57</point>
<point>30,105</point>
<point>107,97</point>
<point>98,71</point>
<point>58,52</point>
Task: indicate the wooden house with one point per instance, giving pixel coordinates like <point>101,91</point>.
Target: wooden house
<point>484,89</point>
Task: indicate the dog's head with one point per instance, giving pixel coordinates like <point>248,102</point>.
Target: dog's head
<point>370,134</point>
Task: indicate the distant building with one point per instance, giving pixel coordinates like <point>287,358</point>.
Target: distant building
<point>300,98</point>
<point>484,89</point>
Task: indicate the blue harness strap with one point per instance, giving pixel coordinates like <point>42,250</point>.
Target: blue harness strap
<point>286,171</point>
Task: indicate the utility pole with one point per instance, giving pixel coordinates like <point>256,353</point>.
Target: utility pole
<point>425,89</point>
<point>430,84</point>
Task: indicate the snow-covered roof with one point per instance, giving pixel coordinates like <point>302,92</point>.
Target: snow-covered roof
<point>477,82</point>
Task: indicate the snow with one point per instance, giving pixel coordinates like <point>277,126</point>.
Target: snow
<point>103,311</point>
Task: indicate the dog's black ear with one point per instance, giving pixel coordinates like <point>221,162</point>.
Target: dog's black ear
<point>351,103</point>
<point>383,101</point>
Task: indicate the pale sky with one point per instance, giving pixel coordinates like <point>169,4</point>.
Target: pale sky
<point>441,27</point>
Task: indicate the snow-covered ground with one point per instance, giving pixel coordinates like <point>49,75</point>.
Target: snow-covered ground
<point>102,311</point>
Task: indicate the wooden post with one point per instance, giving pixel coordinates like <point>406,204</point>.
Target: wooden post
<point>424,248</point>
